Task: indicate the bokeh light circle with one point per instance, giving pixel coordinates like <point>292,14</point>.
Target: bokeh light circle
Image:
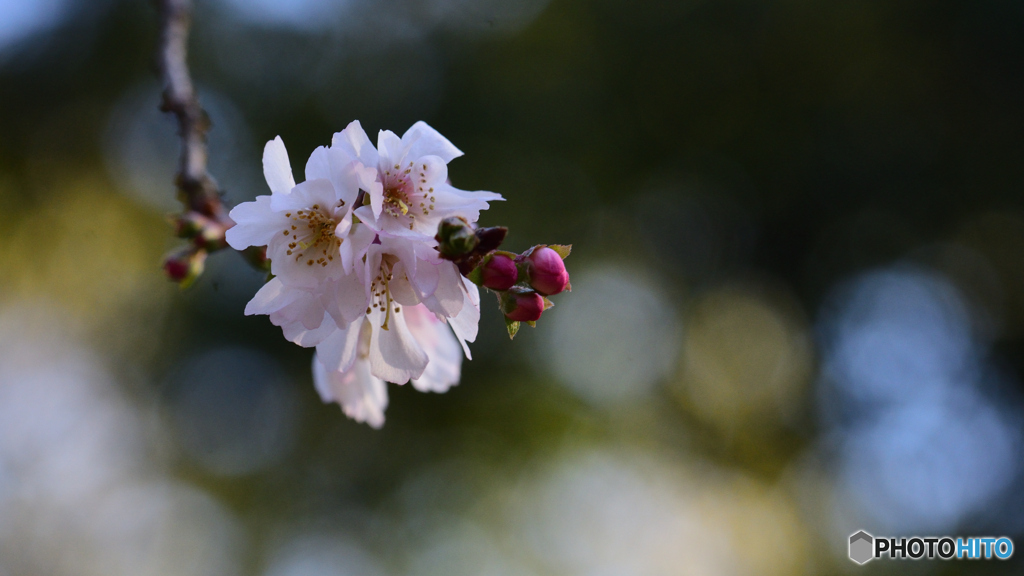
<point>614,339</point>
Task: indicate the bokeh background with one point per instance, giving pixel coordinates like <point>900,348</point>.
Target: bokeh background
<point>798,305</point>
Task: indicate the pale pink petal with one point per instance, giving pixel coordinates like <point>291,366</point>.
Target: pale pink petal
<point>362,396</point>
<point>318,167</point>
<point>306,310</point>
<point>304,196</point>
<point>425,141</point>
<point>426,279</point>
<point>276,168</point>
<point>447,299</point>
<point>391,149</point>
<point>376,202</point>
<point>345,299</point>
<point>445,365</point>
<point>255,224</point>
<point>339,350</point>
<point>297,333</point>
<point>401,289</point>
<point>467,322</point>
<point>355,246</point>
<point>350,176</point>
<point>451,201</point>
<point>273,296</point>
<point>354,142</point>
<point>403,246</point>
<point>395,355</point>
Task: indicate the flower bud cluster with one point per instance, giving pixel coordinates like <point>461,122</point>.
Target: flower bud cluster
<point>205,235</point>
<point>522,282</point>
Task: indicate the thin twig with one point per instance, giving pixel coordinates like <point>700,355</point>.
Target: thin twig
<point>198,189</point>
<point>205,220</point>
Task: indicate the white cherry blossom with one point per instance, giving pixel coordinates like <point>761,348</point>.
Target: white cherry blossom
<point>356,270</point>
<point>309,234</point>
<point>412,191</point>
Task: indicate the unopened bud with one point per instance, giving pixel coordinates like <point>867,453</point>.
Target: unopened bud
<point>522,305</point>
<point>184,266</point>
<point>490,238</point>
<point>207,233</point>
<point>499,272</point>
<point>455,237</point>
<point>212,238</point>
<point>546,271</point>
<point>189,224</point>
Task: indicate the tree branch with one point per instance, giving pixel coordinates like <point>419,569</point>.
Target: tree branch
<point>198,189</point>
<point>205,219</point>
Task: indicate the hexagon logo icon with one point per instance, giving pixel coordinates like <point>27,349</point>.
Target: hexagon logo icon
<point>861,544</point>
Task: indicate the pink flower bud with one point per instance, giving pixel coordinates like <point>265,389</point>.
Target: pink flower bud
<point>547,271</point>
<point>499,273</point>
<point>522,305</point>
<point>184,266</point>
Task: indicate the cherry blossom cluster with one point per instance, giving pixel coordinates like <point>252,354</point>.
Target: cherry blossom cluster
<point>356,271</point>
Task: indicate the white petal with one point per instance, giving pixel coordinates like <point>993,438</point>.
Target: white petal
<point>345,299</point>
<point>344,226</point>
<point>467,322</point>
<point>451,201</point>
<point>433,169</point>
<point>307,310</point>
<point>404,248</point>
<point>363,397</point>
<point>273,296</point>
<point>355,246</point>
<point>426,279</point>
<point>374,256</point>
<point>354,142</point>
<point>297,333</point>
<point>425,141</point>
<point>401,289</point>
<point>319,165</point>
<point>305,195</point>
<point>255,224</point>
<point>376,200</point>
<point>350,176</point>
<point>339,350</point>
<point>391,149</point>
<point>449,296</point>
<point>395,355</point>
<point>445,365</point>
<point>276,168</point>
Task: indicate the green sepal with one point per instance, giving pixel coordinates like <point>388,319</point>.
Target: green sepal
<point>513,328</point>
<point>476,275</point>
<point>562,249</point>
<point>523,269</point>
<point>531,323</point>
<point>547,303</point>
<point>188,282</point>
